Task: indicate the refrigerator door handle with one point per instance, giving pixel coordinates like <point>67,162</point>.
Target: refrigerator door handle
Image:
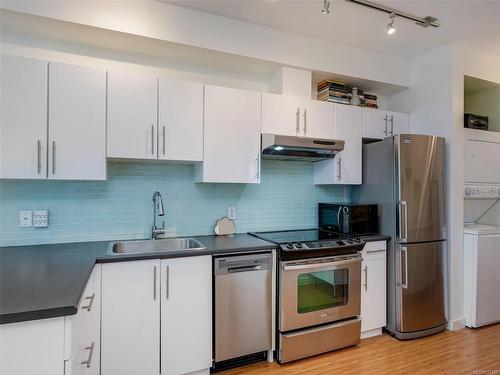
<point>404,268</point>
<point>403,220</point>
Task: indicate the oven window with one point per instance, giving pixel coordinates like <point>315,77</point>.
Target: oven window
<point>322,290</point>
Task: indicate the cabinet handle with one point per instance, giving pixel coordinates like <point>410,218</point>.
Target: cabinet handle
<point>53,157</point>
<point>152,139</point>
<point>91,302</point>
<point>305,122</point>
<point>38,156</point>
<point>392,124</point>
<point>385,128</point>
<point>90,348</point>
<point>365,270</point>
<point>339,175</point>
<point>154,282</point>
<point>167,272</point>
<point>297,126</point>
<point>404,268</point>
<point>163,135</point>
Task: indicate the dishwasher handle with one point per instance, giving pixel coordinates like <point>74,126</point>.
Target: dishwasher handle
<point>244,269</point>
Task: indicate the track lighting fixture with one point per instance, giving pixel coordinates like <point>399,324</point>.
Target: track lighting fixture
<point>326,7</point>
<point>390,26</point>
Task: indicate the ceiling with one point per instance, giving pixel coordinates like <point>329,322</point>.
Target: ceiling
<point>474,23</point>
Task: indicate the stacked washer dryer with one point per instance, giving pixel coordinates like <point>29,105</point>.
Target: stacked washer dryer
<point>481,254</point>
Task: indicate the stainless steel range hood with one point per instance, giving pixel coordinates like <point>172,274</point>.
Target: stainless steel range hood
<point>299,148</point>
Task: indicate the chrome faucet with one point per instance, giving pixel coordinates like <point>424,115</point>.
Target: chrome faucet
<point>158,210</point>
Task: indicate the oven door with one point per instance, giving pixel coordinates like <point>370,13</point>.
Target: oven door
<point>317,291</point>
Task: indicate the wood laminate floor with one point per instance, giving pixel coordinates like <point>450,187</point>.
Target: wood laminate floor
<point>467,351</point>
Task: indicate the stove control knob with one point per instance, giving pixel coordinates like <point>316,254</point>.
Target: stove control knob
<point>357,240</point>
<point>340,243</point>
<point>298,245</point>
<point>289,246</point>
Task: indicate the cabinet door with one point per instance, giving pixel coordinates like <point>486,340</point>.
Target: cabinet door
<point>481,164</point>
<point>23,121</point>
<point>186,315</point>
<point>130,318</point>
<point>373,293</point>
<point>398,123</point>
<point>77,122</point>
<point>132,111</point>
<point>180,124</point>
<point>232,136</point>
<point>318,121</point>
<point>282,114</point>
<point>348,124</point>
<point>375,124</point>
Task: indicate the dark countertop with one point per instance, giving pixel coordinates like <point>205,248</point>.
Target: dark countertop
<point>47,281</point>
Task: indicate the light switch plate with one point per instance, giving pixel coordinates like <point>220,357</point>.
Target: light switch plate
<point>26,219</point>
<point>41,218</point>
<point>231,212</point>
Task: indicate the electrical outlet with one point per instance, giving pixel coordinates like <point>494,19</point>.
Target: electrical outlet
<point>41,218</point>
<point>231,212</point>
<point>25,219</point>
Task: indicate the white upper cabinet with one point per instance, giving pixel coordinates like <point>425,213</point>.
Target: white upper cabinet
<point>232,136</point>
<point>290,115</point>
<point>318,119</point>
<point>132,115</point>
<point>379,124</point>
<point>77,122</point>
<point>23,122</point>
<point>186,315</point>
<point>130,318</point>
<point>346,167</point>
<point>180,120</point>
<point>281,114</point>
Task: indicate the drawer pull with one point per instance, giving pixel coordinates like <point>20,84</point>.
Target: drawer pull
<point>88,361</point>
<point>91,302</point>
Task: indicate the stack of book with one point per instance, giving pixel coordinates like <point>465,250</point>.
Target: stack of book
<point>370,101</point>
<point>333,91</point>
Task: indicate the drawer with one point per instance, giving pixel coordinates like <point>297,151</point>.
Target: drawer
<point>374,250</point>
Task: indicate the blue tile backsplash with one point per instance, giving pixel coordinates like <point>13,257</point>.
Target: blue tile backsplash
<point>121,207</point>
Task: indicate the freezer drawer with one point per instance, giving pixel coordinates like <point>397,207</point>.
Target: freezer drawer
<point>420,303</point>
<point>318,340</point>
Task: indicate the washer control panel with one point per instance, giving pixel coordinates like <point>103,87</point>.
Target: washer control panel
<point>482,191</point>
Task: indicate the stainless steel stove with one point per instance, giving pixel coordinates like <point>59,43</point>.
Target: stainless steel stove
<point>319,291</point>
<point>311,243</point>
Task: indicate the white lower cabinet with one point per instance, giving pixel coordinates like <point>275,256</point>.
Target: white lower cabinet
<point>153,304</point>
<point>130,326</point>
<point>83,331</point>
<point>186,315</point>
<point>373,289</point>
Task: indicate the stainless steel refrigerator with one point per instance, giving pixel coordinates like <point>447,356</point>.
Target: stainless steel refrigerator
<point>405,175</point>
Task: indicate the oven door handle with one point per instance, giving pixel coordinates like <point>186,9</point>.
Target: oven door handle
<point>335,264</point>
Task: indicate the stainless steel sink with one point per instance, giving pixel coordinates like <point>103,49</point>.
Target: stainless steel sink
<point>155,246</point>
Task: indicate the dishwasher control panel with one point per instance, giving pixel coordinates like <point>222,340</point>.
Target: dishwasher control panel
<point>481,191</point>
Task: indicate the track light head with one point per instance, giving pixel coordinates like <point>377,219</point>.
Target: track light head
<point>391,29</point>
<point>326,7</point>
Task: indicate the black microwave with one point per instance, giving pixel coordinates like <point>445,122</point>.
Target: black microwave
<point>353,219</point>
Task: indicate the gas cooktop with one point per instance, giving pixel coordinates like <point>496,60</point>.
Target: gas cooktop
<point>310,243</point>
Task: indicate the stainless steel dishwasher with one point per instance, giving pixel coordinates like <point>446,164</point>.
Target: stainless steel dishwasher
<point>243,305</point>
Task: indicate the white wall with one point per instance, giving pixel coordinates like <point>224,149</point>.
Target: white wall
<point>485,103</point>
<point>154,19</point>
